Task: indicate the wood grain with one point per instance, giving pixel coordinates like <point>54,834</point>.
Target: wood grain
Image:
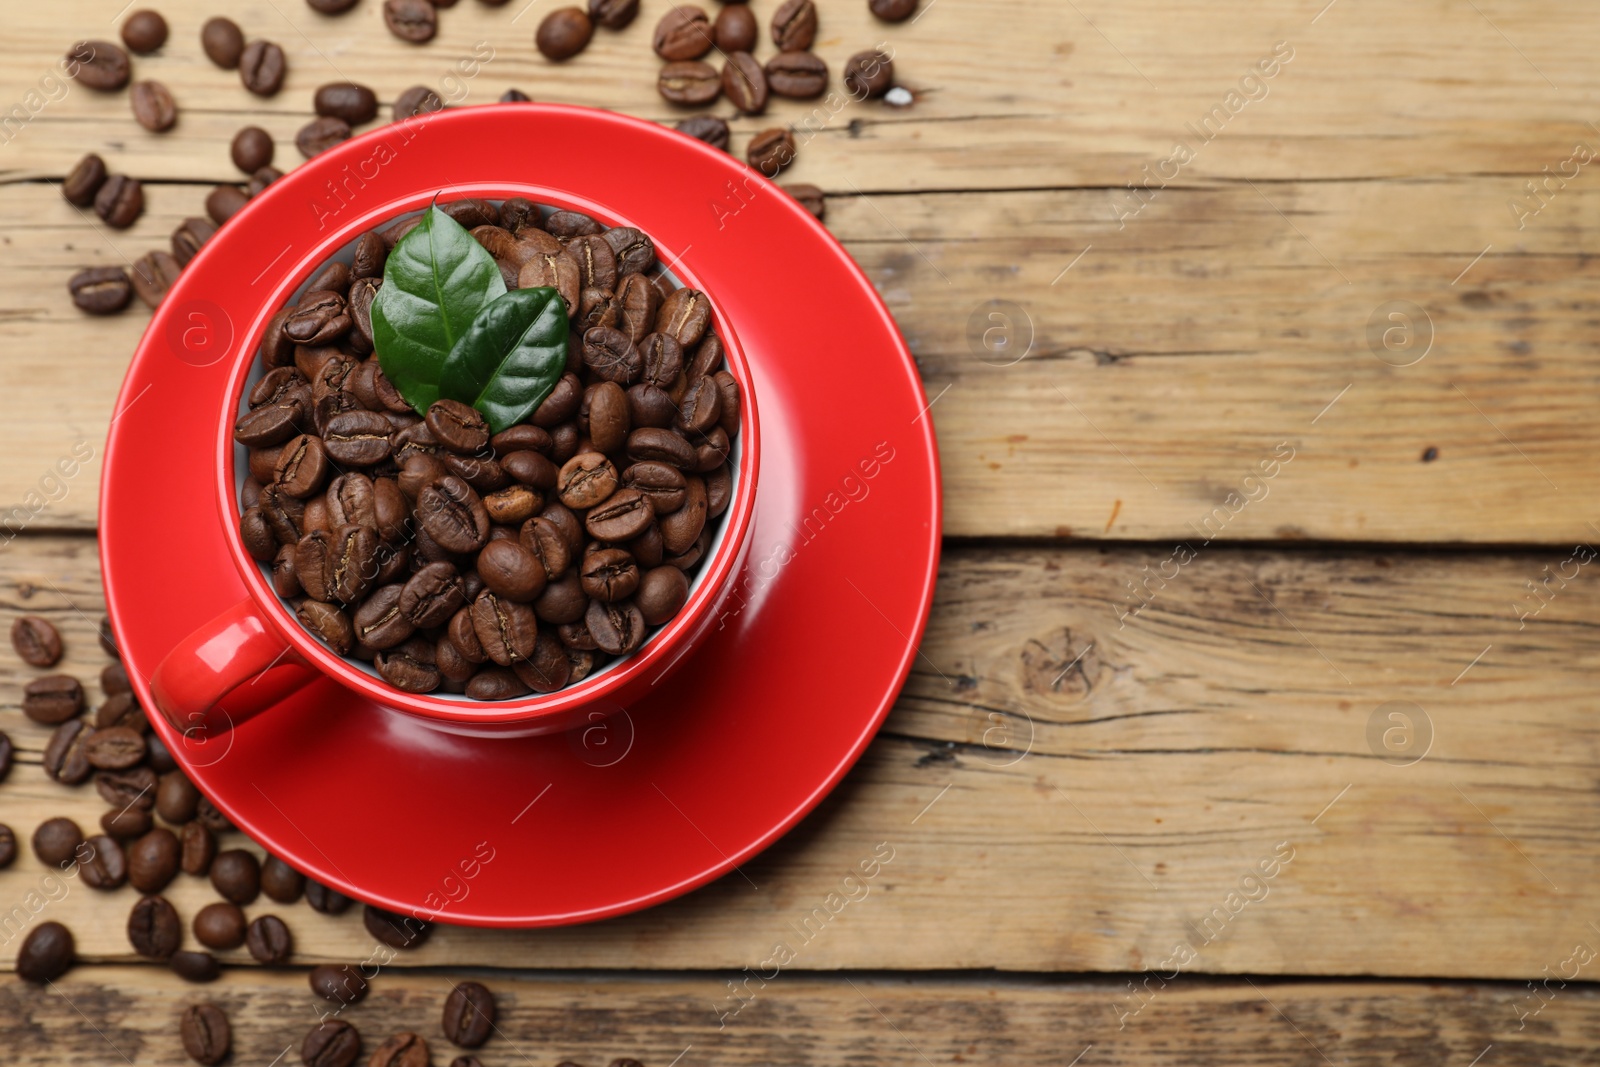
<point>592,1019</point>
<point>1065,790</point>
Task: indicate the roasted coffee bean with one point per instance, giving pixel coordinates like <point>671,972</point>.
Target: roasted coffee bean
<point>559,271</point>
<point>334,277</point>
<point>261,179</point>
<point>809,197</point>
<point>199,849</point>
<point>369,257</point>
<point>318,319</point>
<point>224,202</point>
<point>597,264</point>
<point>36,640</point>
<point>301,466</point>
<point>661,446</point>
<point>770,151</point>
<point>120,201</point>
<point>103,863</point>
<point>511,571</point>
<point>417,100</point>
<point>153,274</point>
<point>513,505</point>
<point>334,1043</point>
<point>613,14</point>
<point>188,238</point>
<point>340,983</point>
<point>252,149</point>
<point>609,574</point>
<point>562,601</point>
<point>125,824</point>
<point>633,250</point>
<point>662,594</point>
<point>794,25</point>
<point>220,925</point>
<point>708,128</point>
<point>893,10</point>
<point>608,417</point>
<point>548,544</point>
<point>114,749</point>
<point>453,515</point>
<point>700,407</point>
<point>745,83</point>
<point>684,316</point>
<point>868,74</point>
<point>617,628</point>
<point>195,966</point>
<point>358,438</point>
<point>458,427</point>
<point>206,1035</point>
<point>177,799</point>
<point>505,629</point>
<point>144,32</point>
<point>159,758</point>
<point>153,860</point>
<point>689,83</point>
<point>394,929</point>
<point>735,29</point>
<point>153,106</point>
<point>409,667</point>
<point>469,1015</point>
<point>134,787</point>
<point>64,758</point>
<point>84,180</point>
<point>269,940</point>
<point>620,517</point>
<point>797,75</point>
<point>52,699</point>
<point>662,485</point>
<point>8,846</point>
<point>521,216</point>
<point>211,817</point>
<point>432,595</point>
<point>609,354</point>
<point>55,841</point>
<point>682,528</point>
<point>561,404</point>
<point>684,32</point>
<point>517,96</point>
<point>327,901</point>
<point>114,680</point>
<point>281,882</point>
<point>401,1050</point>
<point>222,41</point>
<point>46,953</point>
<point>349,101</point>
<point>328,624</point>
<point>321,134</point>
<point>154,929</point>
<point>285,582</point>
<point>587,479</point>
<point>236,874</point>
<point>496,683</point>
<point>719,491</point>
<point>262,67</point>
<point>414,21</point>
<point>637,301</point>
<point>650,405</point>
<point>563,33</point>
<point>379,623</point>
<point>121,710</point>
<point>98,65</point>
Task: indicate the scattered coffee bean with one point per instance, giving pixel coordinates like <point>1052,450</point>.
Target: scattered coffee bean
<point>121,710</point>
<point>98,65</point>
<point>797,75</point>
<point>281,882</point>
<point>473,1061</point>
<point>613,14</point>
<point>135,787</point>
<point>469,1015</point>
<point>52,699</point>
<point>188,238</point>
<point>195,966</point>
<point>159,758</point>
<point>114,679</point>
<point>892,10</point>
<point>102,863</point>
<point>84,180</point>
<point>349,101</point>
<point>684,32</point>
<point>114,749</point>
<point>689,83</point>
<point>153,860</point>
<point>220,925</point>
<point>269,940</point>
<point>144,32</point>
<point>206,1035</point>
<point>417,100</point>
<point>868,74</point>
<point>199,849</point>
<point>120,201</point>
<point>563,33</point>
<point>794,25</point>
<point>154,929</point>
<point>333,7</point>
<point>708,128</point>
<point>334,1043</point>
<point>153,106</point>
<point>515,96</point>
<point>735,29</point>
<point>125,824</point>
<point>8,753</point>
<point>321,134</point>
<point>224,202</point>
<point>56,841</point>
<point>236,874</point>
<point>46,953</point>
<point>261,68</point>
<point>8,846</point>
<point>340,983</point>
<point>252,149</point>
<point>177,799</point>
<point>770,151</point>
<point>414,21</point>
<point>745,83</point>
<point>222,41</point>
<point>36,640</point>
<point>64,758</point>
<point>810,197</point>
<point>100,290</point>
<point>394,929</point>
<point>401,1050</point>
<point>153,275</point>
<point>326,900</point>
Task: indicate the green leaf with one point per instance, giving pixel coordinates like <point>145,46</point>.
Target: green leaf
<point>510,357</point>
<point>436,281</point>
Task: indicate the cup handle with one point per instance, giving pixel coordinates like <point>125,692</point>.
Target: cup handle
<point>221,660</point>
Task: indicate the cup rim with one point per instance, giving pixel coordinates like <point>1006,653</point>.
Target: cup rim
<point>678,636</point>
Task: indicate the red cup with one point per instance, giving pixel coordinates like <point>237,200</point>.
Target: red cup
<point>256,654</point>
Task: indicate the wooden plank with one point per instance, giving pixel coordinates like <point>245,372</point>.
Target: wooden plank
<point>545,1018</point>
<point>1175,358</point>
<point>1063,790</point>
<point>1011,93</point>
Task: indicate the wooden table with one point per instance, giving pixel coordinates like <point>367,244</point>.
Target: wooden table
<point>1153,666</point>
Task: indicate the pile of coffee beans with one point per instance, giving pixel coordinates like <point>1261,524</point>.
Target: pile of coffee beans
<point>492,565</point>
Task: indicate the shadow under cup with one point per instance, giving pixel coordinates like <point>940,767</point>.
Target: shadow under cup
<point>714,550</point>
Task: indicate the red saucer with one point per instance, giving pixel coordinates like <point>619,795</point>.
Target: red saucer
<point>744,739</point>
